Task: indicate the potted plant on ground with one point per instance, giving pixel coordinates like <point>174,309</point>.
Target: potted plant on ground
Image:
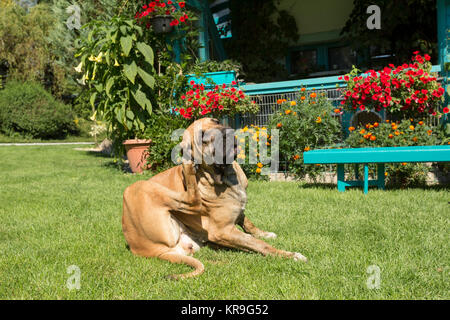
<point>118,69</point>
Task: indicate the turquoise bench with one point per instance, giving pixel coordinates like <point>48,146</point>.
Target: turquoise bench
<point>379,156</point>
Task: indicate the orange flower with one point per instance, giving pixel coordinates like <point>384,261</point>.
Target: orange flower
<point>376,125</point>
<point>279,125</point>
<point>337,110</point>
<point>404,164</point>
<point>397,133</point>
<point>319,120</point>
<point>415,139</point>
<point>363,131</point>
<point>430,132</point>
<point>366,136</point>
<point>421,123</point>
<point>373,138</point>
<point>293,103</point>
<point>279,101</point>
<point>288,112</point>
<point>307,149</point>
<point>260,165</point>
<point>394,127</point>
<point>295,113</point>
<point>313,95</point>
<point>303,98</point>
<point>386,174</point>
<point>258,170</point>
<point>303,90</point>
<point>387,121</point>
<point>296,157</point>
<point>391,136</point>
<point>351,129</point>
<point>411,128</point>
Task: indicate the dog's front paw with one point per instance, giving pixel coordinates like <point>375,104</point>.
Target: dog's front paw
<point>299,257</point>
<point>269,235</point>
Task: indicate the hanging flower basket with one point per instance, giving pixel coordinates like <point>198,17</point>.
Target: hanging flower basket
<point>162,24</point>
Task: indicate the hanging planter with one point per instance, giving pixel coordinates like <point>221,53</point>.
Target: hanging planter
<point>161,24</point>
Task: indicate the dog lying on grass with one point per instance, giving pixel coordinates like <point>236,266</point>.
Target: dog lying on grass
<point>173,214</point>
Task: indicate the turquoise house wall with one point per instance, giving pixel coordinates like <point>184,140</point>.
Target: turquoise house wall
<point>443,22</point>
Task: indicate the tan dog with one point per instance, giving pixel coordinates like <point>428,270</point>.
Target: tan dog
<point>173,214</point>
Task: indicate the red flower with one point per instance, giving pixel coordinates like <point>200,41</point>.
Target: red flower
<point>182,4</point>
<point>446,110</point>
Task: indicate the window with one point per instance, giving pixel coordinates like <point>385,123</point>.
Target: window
<point>341,58</point>
<point>304,61</point>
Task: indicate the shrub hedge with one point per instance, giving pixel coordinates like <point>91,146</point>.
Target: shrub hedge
<point>29,110</point>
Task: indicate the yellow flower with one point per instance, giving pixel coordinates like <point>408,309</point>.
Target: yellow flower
<point>116,64</point>
<point>293,103</point>
<point>319,120</point>
<point>288,112</point>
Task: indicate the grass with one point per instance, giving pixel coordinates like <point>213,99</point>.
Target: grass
<point>61,207</point>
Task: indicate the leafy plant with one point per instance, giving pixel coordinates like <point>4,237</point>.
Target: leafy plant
<point>220,101</point>
<point>199,68</point>
<point>409,90</point>
<point>29,110</point>
<point>308,123</point>
<point>159,130</point>
<point>117,67</point>
<point>405,26</point>
<point>261,36</point>
<point>396,134</point>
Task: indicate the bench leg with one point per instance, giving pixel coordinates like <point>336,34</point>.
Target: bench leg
<point>366,178</point>
<point>341,177</point>
<point>356,171</point>
<point>381,177</point>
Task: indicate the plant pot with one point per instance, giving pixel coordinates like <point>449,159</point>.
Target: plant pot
<point>161,24</point>
<point>137,154</point>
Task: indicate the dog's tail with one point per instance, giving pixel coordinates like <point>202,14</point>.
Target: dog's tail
<point>190,261</point>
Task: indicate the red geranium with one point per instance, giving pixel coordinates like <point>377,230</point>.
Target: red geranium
<point>408,88</point>
<point>219,101</point>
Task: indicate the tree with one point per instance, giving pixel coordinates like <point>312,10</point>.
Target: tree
<point>406,26</point>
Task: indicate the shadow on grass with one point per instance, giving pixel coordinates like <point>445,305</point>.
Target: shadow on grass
<point>331,186</point>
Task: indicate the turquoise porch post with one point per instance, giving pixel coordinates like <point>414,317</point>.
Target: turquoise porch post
<point>443,23</point>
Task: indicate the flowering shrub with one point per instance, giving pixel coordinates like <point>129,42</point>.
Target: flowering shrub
<point>396,134</point>
<point>408,88</point>
<point>168,8</point>
<point>392,134</point>
<point>308,123</point>
<point>254,133</point>
<point>222,100</point>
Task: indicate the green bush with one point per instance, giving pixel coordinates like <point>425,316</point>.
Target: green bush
<point>396,134</point>
<point>306,124</point>
<point>159,129</point>
<point>28,109</point>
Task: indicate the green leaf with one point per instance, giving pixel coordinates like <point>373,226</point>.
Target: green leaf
<point>130,114</point>
<point>92,100</point>
<point>130,71</point>
<point>142,100</point>
<point>147,78</point>
<point>126,43</point>
<point>109,85</point>
<point>146,51</point>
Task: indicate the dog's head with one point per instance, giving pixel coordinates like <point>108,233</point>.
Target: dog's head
<point>211,145</point>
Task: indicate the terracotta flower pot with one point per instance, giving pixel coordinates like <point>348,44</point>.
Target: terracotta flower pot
<point>137,154</point>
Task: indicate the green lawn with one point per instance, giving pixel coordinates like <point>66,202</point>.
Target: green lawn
<point>61,207</point>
